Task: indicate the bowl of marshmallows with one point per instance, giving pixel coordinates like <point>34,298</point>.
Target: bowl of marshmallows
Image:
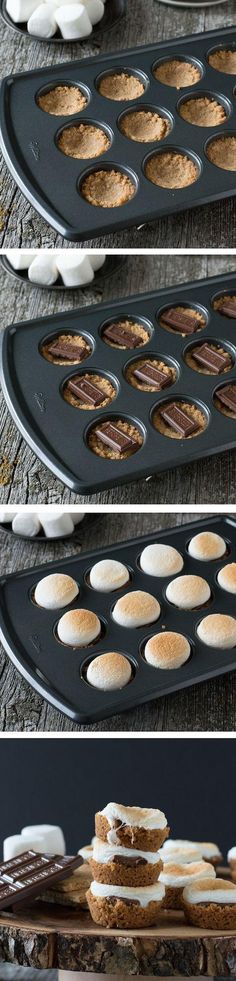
<point>45,524</point>
<point>61,20</point>
<point>59,269</point>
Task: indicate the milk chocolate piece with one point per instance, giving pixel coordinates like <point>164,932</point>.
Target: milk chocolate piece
<point>129,862</point>
<point>29,874</point>
<point>178,420</point>
<point>151,375</point>
<point>227,396</point>
<point>180,321</point>
<point>121,335</point>
<point>86,391</point>
<point>229,309</point>
<point>115,438</point>
<point>211,359</point>
<point>67,350</point>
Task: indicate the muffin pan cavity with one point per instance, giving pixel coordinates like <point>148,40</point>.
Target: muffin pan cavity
<point>115,337</point>
<point>58,671</point>
<point>125,185</point>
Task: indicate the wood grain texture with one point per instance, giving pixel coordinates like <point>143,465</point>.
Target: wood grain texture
<point>146,20</point>
<point>23,479</point>
<point>205,707</point>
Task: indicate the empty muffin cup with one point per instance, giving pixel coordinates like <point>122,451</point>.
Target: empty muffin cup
<point>224,60</point>
<point>203,110</point>
<point>221,151</point>
<point>145,125</point>
<point>122,86</point>
<point>172,169</point>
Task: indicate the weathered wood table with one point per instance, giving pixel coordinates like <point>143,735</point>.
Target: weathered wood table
<point>206,707</point>
<point>23,479</point>
<point>146,20</point>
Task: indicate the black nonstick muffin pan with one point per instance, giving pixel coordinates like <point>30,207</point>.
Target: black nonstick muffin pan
<point>111,265</point>
<point>58,432</point>
<point>114,10</point>
<point>29,137</point>
<point>58,672</point>
<point>77,536</point>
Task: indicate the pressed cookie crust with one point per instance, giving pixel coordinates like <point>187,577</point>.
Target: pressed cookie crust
<point>211,916</point>
<point>124,915</point>
<point>177,73</point>
<point>107,189</point>
<point>98,447</point>
<point>121,86</point>
<point>144,126</point>
<point>102,383</point>
<point>221,300</point>
<point>169,169</point>
<point>223,61</point>
<point>203,112</point>
<point>191,410</point>
<point>131,837</point>
<point>83,141</point>
<point>196,366</point>
<point>222,152</point>
<point>63,100</point>
<point>75,339</point>
<point>130,874</point>
<point>132,327</point>
<point>153,362</point>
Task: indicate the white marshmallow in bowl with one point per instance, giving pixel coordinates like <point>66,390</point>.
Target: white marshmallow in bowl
<point>57,525</point>
<point>26,524</point>
<point>53,838</point>
<point>95,10</point>
<point>75,269</point>
<point>6,516</point>
<point>20,11</point>
<point>42,23</point>
<point>17,258</point>
<point>97,260</point>
<point>17,844</point>
<point>43,269</point>
<point>77,518</point>
<point>73,21</point>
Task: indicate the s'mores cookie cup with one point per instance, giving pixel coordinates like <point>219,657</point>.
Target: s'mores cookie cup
<point>176,876</point>
<point>231,858</point>
<point>180,854</point>
<point>211,904</point>
<point>133,827</point>
<point>119,866</point>
<point>207,546</point>
<point>210,852</point>
<point>125,907</point>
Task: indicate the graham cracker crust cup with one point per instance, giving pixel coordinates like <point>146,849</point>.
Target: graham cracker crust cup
<point>173,897</point>
<point>122,874</point>
<point>211,916</point>
<point>140,838</point>
<point>116,913</point>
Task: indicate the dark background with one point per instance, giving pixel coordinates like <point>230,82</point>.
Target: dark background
<point>64,781</point>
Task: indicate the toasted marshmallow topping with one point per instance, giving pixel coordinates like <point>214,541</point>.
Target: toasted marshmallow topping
<point>179,875</point>
<point>160,560</point>
<point>220,891</point>
<point>206,546</point>
<point>104,853</point>
<point>186,592</point>
<point>218,630</point>
<point>135,817</point>
<point>55,591</point>
<point>108,574</point>
<point>227,577</point>
<point>171,844</point>
<point>232,854</point>
<point>86,852</point>
<point>180,855</point>
<point>135,609</point>
<point>208,849</point>
<point>143,896</point>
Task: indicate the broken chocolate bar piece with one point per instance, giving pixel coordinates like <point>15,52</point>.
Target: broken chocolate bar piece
<point>29,874</point>
<point>121,335</point>
<point>86,391</point>
<point>67,350</point>
<point>227,396</point>
<point>180,321</point>
<point>151,375</point>
<point>229,308</point>
<point>211,359</point>
<point>115,438</point>
<point>179,420</point>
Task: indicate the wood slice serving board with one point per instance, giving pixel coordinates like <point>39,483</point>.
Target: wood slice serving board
<point>45,936</point>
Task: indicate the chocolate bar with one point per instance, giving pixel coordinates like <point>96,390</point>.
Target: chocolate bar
<point>29,874</point>
<point>63,349</point>
<point>151,375</point>
<point>229,308</point>
<point>227,395</point>
<point>121,335</point>
<point>181,321</point>
<point>211,359</point>
<point>179,420</point>
<point>115,438</point>
<point>86,391</point>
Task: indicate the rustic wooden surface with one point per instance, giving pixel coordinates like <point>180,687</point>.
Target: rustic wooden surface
<point>206,707</point>
<point>48,937</point>
<point>23,479</point>
<point>146,20</point>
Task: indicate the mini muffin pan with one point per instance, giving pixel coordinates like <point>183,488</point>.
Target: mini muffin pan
<point>114,10</point>
<point>29,137</point>
<point>58,432</point>
<point>77,535</point>
<point>58,672</point>
<point>111,265</point>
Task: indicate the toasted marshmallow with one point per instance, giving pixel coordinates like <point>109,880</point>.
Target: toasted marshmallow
<point>218,630</point>
<point>187,592</point>
<point>178,875</point>
<point>206,546</point>
<point>167,650</point>
<point>148,818</point>
<point>109,672</point>
<point>142,895</point>
<point>107,575</point>
<point>182,856</point>
<point>231,856</point>
<point>227,577</point>
<point>136,609</point>
<point>209,849</point>
<point>104,853</point>
<point>86,852</point>
<point>161,560</point>
<point>78,628</point>
<point>206,849</point>
<point>55,591</point>
<point>220,891</point>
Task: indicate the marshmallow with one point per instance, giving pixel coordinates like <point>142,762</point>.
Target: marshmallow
<point>72,20</point>
<point>78,628</point>
<point>97,260</point>
<point>17,844</point>
<point>109,672</point>
<point>107,575</point>
<point>86,852</point>
<point>209,849</point>
<point>149,818</point>
<point>231,856</point>
<point>43,269</point>
<point>20,11</point>
<point>26,523</point>
<point>77,517</point>
<point>227,578</point>
<point>177,875</point>
<point>220,891</point>
<point>95,10</point>
<point>180,855</point>
<point>187,592</point>
<point>136,609</point>
<point>53,838</point>
<point>55,591</point>
<point>142,895</point>
<point>6,516</point>
<point>57,525</point>
<point>17,258</point>
<point>206,546</point>
<point>75,269</point>
<point>167,650</point>
<point>218,630</point>
<point>104,853</point>
<point>160,560</point>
